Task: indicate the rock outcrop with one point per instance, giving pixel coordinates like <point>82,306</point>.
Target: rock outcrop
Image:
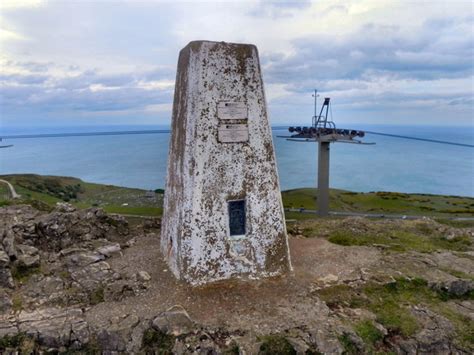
<point>84,281</point>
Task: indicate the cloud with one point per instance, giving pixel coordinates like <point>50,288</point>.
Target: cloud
<point>15,4</point>
<point>88,91</point>
<point>104,59</point>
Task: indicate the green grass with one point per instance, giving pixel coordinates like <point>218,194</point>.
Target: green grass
<point>17,302</point>
<point>455,224</point>
<point>46,191</point>
<point>383,202</point>
<point>391,304</point>
<point>398,236</point>
<point>12,341</point>
<point>458,274</point>
<point>275,344</point>
<point>401,240</point>
<point>157,342</point>
<point>348,345</point>
<point>464,326</point>
<point>97,296</point>
<point>368,332</point>
<point>21,273</point>
<point>52,189</point>
<point>4,192</point>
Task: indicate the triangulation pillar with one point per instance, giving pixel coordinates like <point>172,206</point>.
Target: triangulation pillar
<point>223,215</point>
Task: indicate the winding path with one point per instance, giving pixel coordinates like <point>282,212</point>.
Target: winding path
<point>12,189</point>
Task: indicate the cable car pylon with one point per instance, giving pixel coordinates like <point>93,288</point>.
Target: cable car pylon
<point>324,132</point>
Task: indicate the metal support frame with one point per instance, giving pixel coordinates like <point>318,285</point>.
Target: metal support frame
<point>324,132</point>
<point>323,178</point>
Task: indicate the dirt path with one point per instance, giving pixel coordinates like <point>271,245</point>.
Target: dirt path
<point>267,305</point>
<point>12,189</point>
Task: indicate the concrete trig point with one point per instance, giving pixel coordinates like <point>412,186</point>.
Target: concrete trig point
<point>223,215</point>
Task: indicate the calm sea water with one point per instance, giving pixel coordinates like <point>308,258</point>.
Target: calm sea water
<point>140,160</point>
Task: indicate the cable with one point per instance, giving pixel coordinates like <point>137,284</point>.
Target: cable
<point>84,134</point>
<point>53,135</point>
<point>421,139</point>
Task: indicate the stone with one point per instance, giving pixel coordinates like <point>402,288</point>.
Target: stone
<point>108,340</point>
<point>109,250</point>
<point>8,325</point>
<point>143,276</point>
<point>152,223</point>
<point>456,287</point>
<point>125,323</point>
<point>174,321</point>
<point>6,279</point>
<point>460,287</point>
<point>4,259</point>
<point>27,249</point>
<point>29,260</point>
<point>328,279</point>
<point>118,290</point>
<point>9,244</point>
<point>73,250</point>
<point>223,213</point>
<point>64,207</point>
<point>62,230</point>
<point>93,275</point>
<point>48,290</point>
<point>5,302</point>
<point>130,243</point>
<point>54,327</point>
<point>436,332</point>
<point>84,259</point>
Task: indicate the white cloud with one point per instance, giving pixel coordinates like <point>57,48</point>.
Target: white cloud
<point>18,4</point>
<point>110,57</point>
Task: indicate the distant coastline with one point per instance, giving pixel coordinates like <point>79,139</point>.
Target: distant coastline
<point>140,160</point>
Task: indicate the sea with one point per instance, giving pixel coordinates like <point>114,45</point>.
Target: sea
<point>139,160</point>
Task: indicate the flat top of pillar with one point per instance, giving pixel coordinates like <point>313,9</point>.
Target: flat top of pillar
<point>196,45</point>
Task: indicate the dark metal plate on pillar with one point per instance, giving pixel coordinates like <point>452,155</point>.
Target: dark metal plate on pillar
<point>237,217</point>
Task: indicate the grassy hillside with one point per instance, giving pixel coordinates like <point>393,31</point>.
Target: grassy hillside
<point>51,189</point>
<point>384,202</point>
<point>115,199</point>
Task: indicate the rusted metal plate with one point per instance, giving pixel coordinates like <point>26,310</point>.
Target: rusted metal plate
<point>233,133</point>
<point>227,110</point>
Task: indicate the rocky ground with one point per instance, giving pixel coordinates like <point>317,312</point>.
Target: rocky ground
<point>82,281</point>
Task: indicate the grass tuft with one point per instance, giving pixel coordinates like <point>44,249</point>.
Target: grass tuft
<point>401,240</point>
<point>349,347</point>
<point>158,342</point>
<point>276,344</point>
<point>368,332</point>
<point>21,273</point>
<point>97,296</point>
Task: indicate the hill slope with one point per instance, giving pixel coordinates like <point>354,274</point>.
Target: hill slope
<point>51,189</point>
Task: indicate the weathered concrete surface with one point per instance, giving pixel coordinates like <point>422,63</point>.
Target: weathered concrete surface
<point>205,171</point>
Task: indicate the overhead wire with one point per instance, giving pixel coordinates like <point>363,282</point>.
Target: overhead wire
<point>82,134</point>
<point>421,139</point>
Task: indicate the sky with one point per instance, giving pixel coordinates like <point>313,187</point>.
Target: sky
<point>95,63</point>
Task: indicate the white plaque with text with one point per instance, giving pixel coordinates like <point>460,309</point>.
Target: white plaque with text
<point>233,133</point>
<point>228,110</point>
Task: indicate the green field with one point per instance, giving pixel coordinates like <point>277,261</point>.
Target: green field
<point>4,192</point>
<point>115,199</point>
<point>51,189</point>
<point>383,202</point>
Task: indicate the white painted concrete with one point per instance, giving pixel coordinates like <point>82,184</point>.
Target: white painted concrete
<point>204,173</point>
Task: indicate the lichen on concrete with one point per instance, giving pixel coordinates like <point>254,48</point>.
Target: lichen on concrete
<point>204,174</point>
